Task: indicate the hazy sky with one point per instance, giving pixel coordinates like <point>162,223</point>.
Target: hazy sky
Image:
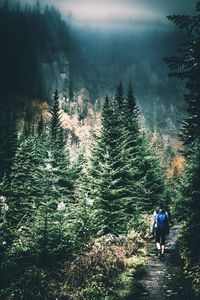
<point>100,10</point>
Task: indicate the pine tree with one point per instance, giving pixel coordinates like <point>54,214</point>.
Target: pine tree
<point>191,213</point>
<point>55,125</point>
<point>107,186</point>
<point>109,214</point>
<point>113,183</point>
<point>131,105</point>
<point>133,158</point>
<point>174,186</point>
<point>130,115</point>
<point>147,173</point>
<point>186,66</point>
<point>38,201</point>
<point>41,126</point>
<point>83,226</point>
<point>50,221</point>
<point>59,150</point>
<point>126,178</point>
<point>24,187</point>
<point>119,97</point>
<point>153,177</point>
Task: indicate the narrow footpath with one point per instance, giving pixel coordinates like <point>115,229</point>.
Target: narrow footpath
<point>163,279</point>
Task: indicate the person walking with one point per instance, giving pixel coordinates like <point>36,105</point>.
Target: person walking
<point>160,226</point>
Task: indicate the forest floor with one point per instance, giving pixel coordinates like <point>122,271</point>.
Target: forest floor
<point>161,279</point>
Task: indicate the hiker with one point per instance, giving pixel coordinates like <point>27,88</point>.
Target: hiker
<point>160,226</point>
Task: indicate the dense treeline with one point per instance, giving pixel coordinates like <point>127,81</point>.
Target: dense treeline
<point>37,206</point>
<point>187,202</point>
<point>52,210</point>
<point>37,43</point>
<point>30,36</point>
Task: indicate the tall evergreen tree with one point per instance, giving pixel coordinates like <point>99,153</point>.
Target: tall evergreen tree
<point>119,97</point>
<point>126,178</point>
<point>191,215</point>
<point>50,222</point>
<point>59,150</point>
<point>108,172</point>
<point>41,126</point>
<point>152,177</point>
<point>83,227</point>
<point>186,66</point>
<point>24,187</point>
<point>132,144</point>
<point>130,114</point>
<point>148,176</point>
<point>55,125</point>
<point>131,105</point>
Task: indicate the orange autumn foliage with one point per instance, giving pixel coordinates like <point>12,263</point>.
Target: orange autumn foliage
<point>177,166</point>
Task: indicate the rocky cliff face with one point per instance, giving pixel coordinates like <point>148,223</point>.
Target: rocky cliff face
<point>55,75</point>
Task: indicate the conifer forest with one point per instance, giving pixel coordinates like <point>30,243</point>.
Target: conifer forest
<point>99,125</point>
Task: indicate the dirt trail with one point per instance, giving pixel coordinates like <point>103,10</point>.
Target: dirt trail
<point>163,279</point>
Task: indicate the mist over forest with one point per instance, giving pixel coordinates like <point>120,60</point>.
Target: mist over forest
<point>51,53</point>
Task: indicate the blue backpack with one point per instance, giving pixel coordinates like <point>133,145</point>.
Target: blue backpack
<point>162,220</point>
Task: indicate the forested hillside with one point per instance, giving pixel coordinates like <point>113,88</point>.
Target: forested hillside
<point>34,50</point>
<point>51,53</point>
<point>90,145</point>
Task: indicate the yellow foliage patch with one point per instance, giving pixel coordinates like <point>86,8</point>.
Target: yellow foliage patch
<point>177,167</point>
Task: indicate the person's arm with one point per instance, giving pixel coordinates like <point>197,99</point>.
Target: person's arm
<point>153,222</point>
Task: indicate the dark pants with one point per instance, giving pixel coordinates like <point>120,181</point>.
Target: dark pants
<point>160,236</point>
